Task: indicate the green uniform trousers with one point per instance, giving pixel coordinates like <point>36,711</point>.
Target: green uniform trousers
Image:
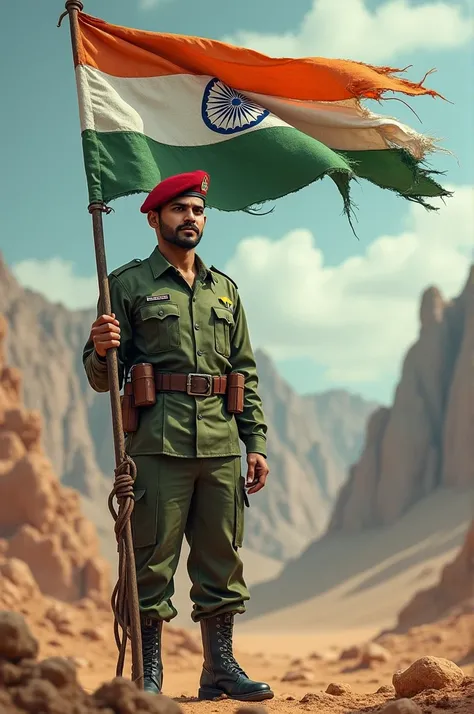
<point>202,499</point>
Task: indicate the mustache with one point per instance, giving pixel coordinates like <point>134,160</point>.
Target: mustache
<point>188,227</point>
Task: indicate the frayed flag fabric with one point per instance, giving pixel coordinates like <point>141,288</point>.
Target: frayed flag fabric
<point>154,104</point>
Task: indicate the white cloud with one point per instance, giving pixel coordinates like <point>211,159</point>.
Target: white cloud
<point>349,29</point>
<point>55,279</point>
<point>358,318</point>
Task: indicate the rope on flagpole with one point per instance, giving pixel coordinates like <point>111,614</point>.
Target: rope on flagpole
<point>124,601</point>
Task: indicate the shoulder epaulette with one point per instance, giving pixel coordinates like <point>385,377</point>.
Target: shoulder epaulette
<point>216,270</point>
<point>123,268</point>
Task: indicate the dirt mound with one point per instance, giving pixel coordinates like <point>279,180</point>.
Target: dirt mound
<point>455,591</point>
<point>52,687</point>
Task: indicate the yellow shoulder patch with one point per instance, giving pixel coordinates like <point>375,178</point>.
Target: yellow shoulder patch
<point>225,301</point>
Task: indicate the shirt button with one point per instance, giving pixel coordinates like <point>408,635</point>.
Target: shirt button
<point>161,312</point>
<point>194,299</point>
<point>199,416</point>
<point>196,326</point>
<point>200,353</point>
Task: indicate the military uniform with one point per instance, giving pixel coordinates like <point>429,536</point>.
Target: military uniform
<point>187,449</point>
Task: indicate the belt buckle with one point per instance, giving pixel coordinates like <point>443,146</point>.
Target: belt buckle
<point>189,389</point>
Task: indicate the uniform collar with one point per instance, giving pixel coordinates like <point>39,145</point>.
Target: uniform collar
<point>159,264</point>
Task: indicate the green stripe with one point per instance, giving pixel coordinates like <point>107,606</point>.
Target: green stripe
<point>396,170</point>
<point>246,170</point>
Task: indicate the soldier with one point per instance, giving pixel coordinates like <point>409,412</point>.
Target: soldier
<point>186,320</point>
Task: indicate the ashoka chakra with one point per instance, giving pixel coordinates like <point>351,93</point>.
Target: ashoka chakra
<point>227,111</point>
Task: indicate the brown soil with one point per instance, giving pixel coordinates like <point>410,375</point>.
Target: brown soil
<point>363,676</point>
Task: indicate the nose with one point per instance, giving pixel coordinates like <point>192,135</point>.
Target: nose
<point>189,215</point>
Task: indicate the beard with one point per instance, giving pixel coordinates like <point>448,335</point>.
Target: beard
<point>181,236</point>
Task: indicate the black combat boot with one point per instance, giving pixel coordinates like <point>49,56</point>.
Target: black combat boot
<point>151,647</point>
<point>221,673</point>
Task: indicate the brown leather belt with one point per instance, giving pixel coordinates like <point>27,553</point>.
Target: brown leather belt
<point>197,385</point>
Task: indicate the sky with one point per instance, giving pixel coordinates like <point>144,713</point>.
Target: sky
<point>332,310</point>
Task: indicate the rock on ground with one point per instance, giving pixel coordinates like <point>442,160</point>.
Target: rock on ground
<point>427,673</point>
<point>51,686</point>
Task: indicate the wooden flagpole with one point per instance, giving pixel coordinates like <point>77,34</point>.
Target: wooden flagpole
<point>125,595</point>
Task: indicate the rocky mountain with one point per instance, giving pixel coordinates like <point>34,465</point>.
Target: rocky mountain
<point>408,498</point>
<point>426,439</point>
<point>44,343</point>
<point>41,522</point>
<point>313,439</point>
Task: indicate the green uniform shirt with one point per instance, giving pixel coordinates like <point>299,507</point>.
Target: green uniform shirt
<point>201,329</point>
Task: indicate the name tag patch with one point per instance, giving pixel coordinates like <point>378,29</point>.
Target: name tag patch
<point>158,298</point>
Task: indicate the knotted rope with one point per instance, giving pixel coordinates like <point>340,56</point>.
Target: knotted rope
<point>125,475</point>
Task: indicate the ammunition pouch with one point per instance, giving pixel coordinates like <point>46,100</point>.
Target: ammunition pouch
<point>235,392</point>
<point>129,410</point>
<point>145,382</point>
<point>138,392</point>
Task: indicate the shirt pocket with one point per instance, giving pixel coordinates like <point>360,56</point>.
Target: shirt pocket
<point>161,327</point>
<point>223,323</point>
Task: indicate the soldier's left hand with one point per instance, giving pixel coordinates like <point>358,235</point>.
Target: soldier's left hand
<point>257,472</point>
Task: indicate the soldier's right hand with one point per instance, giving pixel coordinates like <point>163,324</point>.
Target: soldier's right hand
<point>105,333</point>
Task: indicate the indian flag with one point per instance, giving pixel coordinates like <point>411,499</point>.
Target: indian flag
<point>154,104</point>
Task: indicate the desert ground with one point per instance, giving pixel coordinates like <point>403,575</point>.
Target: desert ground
<point>344,671</point>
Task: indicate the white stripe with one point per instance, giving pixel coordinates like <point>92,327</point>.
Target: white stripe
<point>344,125</point>
<point>168,109</point>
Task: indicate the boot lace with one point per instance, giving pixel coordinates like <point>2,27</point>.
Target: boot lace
<point>225,647</point>
<point>151,650</point>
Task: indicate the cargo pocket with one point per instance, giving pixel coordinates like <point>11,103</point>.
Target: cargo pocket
<point>240,497</point>
<point>223,322</point>
<point>160,327</point>
<point>144,517</point>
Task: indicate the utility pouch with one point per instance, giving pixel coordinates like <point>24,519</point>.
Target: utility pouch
<point>129,410</point>
<point>143,383</point>
<point>235,392</point>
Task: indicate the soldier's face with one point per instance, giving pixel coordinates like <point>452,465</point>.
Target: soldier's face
<point>182,222</point>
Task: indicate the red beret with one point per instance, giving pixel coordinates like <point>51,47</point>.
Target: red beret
<point>194,183</point>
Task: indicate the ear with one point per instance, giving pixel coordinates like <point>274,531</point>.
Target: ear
<point>153,220</point>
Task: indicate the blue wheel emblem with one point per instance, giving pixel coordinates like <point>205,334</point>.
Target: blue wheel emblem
<point>227,111</point>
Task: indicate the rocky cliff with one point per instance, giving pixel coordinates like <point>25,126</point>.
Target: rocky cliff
<point>454,591</point>
<point>41,523</point>
<point>426,439</point>
<point>313,440</point>
<point>408,499</point>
